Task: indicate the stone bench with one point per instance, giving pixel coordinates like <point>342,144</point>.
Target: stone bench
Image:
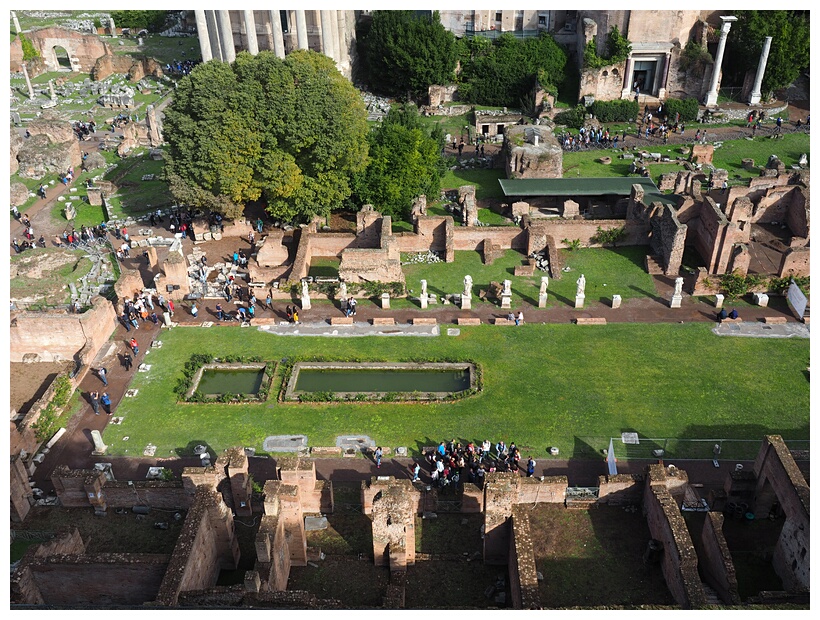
<point>325,451</point>
<point>468,320</point>
<point>590,321</point>
<point>503,322</point>
<point>524,270</point>
<point>341,320</point>
<point>728,320</point>
<point>423,321</point>
<point>384,320</point>
<point>776,320</point>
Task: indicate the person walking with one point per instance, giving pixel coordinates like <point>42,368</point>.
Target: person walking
<point>106,402</point>
<point>94,397</point>
<point>102,372</point>
<point>416,469</point>
<point>295,315</point>
<point>530,467</point>
<point>289,313</point>
<point>127,361</point>
<point>194,310</point>
<point>377,455</point>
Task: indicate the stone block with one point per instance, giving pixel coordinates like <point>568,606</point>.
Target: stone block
<point>719,301</point>
<point>500,321</point>
<point>675,301</point>
<point>761,299</point>
<point>774,320</point>
<point>579,301</point>
<point>468,320</point>
<point>423,321</point>
<point>590,321</point>
<point>384,320</point>
<point>524,270</point>
<point>616,301</point>
<point>341,320</point>
<point>385,299</point>
<point>466,302</point>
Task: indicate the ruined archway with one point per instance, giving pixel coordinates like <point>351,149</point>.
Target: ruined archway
<point>63,60</point>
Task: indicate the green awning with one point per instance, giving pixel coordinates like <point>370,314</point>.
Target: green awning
<point>603,186</point>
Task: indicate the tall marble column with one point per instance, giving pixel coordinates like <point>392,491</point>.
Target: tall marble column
<point>301,31</point>
<point>226,36</point>
<point>278,35</point>
<point>328,40</point>
<point>712,95</point>
<point>626,90</point>
<point>17,28</point>
<point>754,98</point>
<point>667,59</point>
<point>337,41</point>
<point>213,35</point>
<point>341,20</point>
<point>202,33</point>
<point>250,32</point>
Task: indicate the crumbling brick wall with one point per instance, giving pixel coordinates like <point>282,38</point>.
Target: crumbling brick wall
<point>272,566</point>
<point>679,562</point>
<point>621,489</point>
<point>134,68</point>
<point>715,559</point>
<point>393,523</point>
<point>779,479</point>
<point>668,238</point>
<point>206,545</point>
<point>316,495</point>
<point>284,501</point>
<point>55,336</point>
<point>83,49</point>
<point>73,485</point>
<point>795,262</point>
<point>19,488</point>
<point>500,495</point>
<point>521,566</point>
<point>550,490</point>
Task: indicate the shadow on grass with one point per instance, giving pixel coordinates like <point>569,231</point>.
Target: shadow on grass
<point>645,293</point>
<point>193,448</point>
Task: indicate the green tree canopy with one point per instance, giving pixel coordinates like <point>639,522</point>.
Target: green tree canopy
<point>405,51</point>
<point>503,72</point>
<point>405,161</point>
<point>150,20</point>
<point>291,132</point>
<point>789,53</point>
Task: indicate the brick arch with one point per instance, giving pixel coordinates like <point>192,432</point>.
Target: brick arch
<point>83,49</point>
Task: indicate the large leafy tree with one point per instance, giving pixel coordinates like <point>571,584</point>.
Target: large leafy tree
<point>405,52</point>
<point>502,72</point>
<point>405,161</point>
<point>789,53</point>
<point>291,132</point>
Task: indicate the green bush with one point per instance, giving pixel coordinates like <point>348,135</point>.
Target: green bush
<point>695,58</point>
<point>29,51</point>
<point>618,110</point>
<point>618,49</point>
<point>688,109</point>
<point>43,427</point>
<point>574,117</point>
<point>609,235</point>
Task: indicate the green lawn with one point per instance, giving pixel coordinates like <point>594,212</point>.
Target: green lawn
<point>485,180</point>
<point>544,385</point>
<point>608,272</point>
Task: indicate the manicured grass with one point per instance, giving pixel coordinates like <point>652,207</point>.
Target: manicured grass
<point>608,271</point>
<point>788,149</point>
<point>484,179</point>
<point>324,268</point>
<point>544,385</point>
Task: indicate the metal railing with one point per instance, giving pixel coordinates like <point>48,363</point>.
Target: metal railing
<point>494,34</point>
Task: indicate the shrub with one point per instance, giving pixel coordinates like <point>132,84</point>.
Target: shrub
<point>695,58</point>
<point>62,393</point>
<point>688,108</point>
<point>574,117</point>
<point>572,244</point>
<point>618,49</point>
<point>29,51</point>
<point>609,235</point>
<point>734,285</point>
<point>618,110</point>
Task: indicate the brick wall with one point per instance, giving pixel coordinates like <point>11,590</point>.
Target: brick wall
<point>521,566</point>
<point>797,216</point>
<point>550,490</point>
<point>19,489</point>
<point>795,262</point>
<point>668,238</point>
<point>55,336</point>
<point>206,545</point>
<point>71,487</point>
<point>715,560</point>
<point>679,562</point>
<point>500,494</point>
<point>621,489</point>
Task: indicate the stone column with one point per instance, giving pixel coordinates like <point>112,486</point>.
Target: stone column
<point>112,26</point>
<point>28,81</point>
<point>278,35</point>
<point>712,95</point>
<point>213,35</point>
<point>754,98</point>
<point>328,39</point>
<point>202,32</point>
<point>337,41</point>
<point>343,55</point>
<point>250,32</point>
<point>301,31</point>
<point>667,59</point>
<point>226,36</point>
<point>17,28</point>
<point>626,91</point>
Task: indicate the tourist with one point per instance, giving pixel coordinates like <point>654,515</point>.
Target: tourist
<point>259,224</point>
<point>94,397</point>
<point>236,258</point>
<point>171,307</point>
<point>352,303</point>
<point>377,455</point>
<point>289,314</point>
<point>251,312</point>
<point>219,313</point>
<point>134,347</point>
<point>519,320</point>
<point>102,373</point>
<point>733,314</point>
<point>295,315</point>
<point>416,469</point>
<point>106,402</point>
<point>511,317</point>
<point>268,301</point>
<point>343,305</point>
<point>501,449</point>
<point>127,361</point>
<point>194,310</point>
<point>722,314</point>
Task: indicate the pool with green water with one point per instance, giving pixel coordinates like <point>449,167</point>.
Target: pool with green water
<point>224,381</point>
<point>376,380</point>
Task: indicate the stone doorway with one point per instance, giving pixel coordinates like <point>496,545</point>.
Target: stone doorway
<point>62,57</point>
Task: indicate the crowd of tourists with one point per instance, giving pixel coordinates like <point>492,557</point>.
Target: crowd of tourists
<point>452,463</point>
